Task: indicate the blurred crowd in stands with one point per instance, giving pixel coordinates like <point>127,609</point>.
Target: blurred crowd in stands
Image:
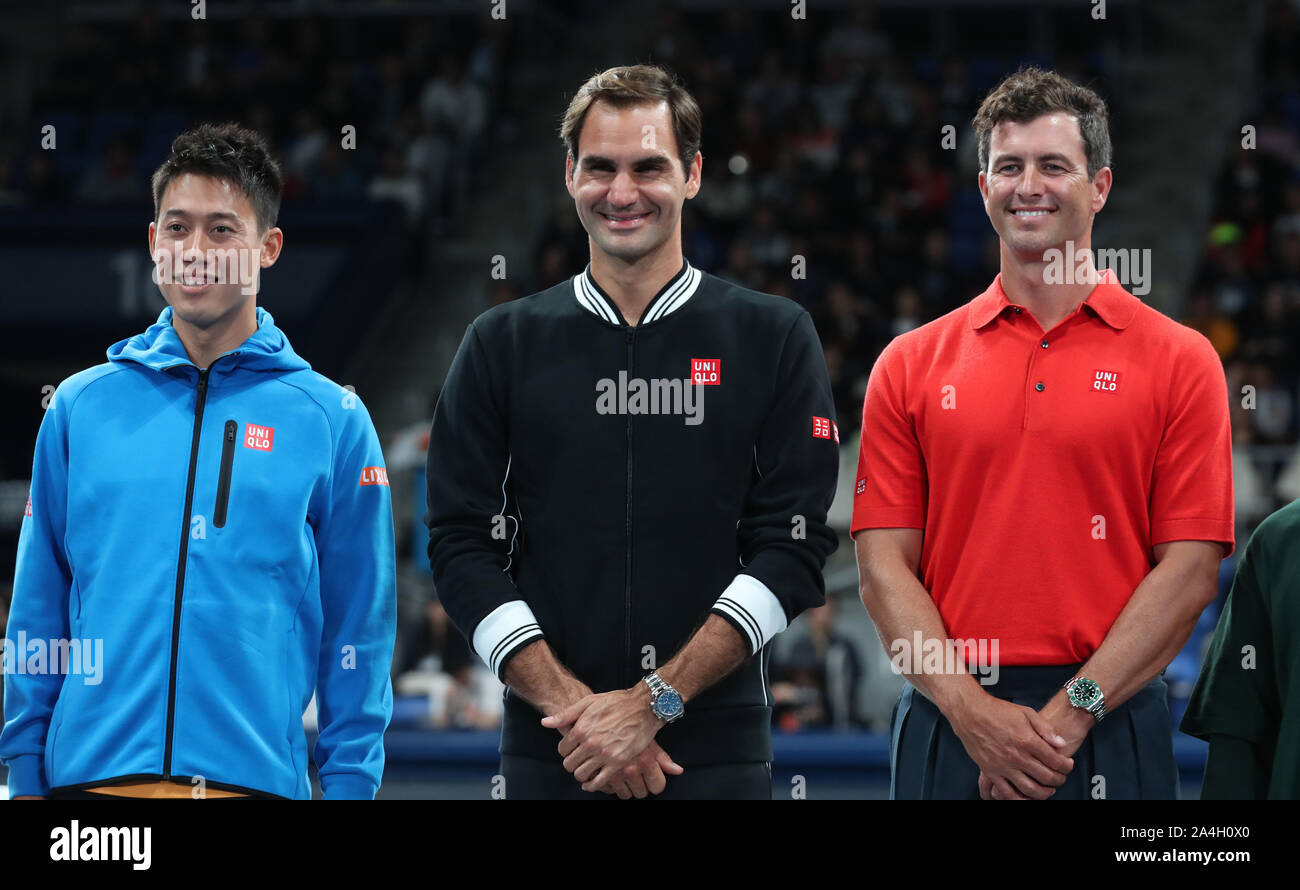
<point>419,94</point>
<point>1246,298</point>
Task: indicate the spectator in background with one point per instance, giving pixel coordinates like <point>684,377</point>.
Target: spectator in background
<point>858,44</point>
<point>1271,413</point>
<point>1288,221</point>
<point>816,683</point>
<point>1232,284</point>
<point>1270,334</point>
<point>1215,326</point>
<point>849,334</point>
<point>439,664</point>
<point>907,310</point>
<point>394,183</point>
<point>769,244</point>
<point>336,178</point>
<point>773,94</point>
<point>833,93</point>
<point>1252,495</point>
<point>454,110</point>
<point>1249,217</point>
<point>113,179</point>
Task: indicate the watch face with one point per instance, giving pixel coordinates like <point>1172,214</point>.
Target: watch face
<point>1084,693</point>
<point>668,704</point>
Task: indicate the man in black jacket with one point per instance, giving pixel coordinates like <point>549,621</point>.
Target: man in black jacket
<point>631,465</point>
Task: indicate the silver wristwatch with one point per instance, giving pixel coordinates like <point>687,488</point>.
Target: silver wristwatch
<point>664,699</point>
<point>1086,694</point>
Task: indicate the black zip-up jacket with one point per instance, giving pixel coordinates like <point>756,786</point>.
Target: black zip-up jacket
<point>583,489</point>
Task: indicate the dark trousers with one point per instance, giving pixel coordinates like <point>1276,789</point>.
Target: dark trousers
<point>529,779</point>
<point>1129,755</point>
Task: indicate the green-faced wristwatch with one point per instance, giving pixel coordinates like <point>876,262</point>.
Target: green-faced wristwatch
<point>1086,694</point>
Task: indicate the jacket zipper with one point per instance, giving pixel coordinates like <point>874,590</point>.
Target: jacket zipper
<point>223,483</point>
<point>627,588</point>
<point>200,399</point>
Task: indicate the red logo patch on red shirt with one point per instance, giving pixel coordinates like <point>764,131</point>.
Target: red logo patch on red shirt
<point>374,476</point>
<point>821,428</point>
<point>706,371</point>
<point>1105,381</point>
<point>258,437</point>
<point>862,485</point>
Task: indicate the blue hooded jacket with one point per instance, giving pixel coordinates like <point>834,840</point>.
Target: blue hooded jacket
<point>205,549</point>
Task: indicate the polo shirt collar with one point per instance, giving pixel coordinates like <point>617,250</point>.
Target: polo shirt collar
<point>1109,300</point>
<point>671,297</point>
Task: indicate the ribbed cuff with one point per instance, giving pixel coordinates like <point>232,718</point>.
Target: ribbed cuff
<point>345,786</point>
<point>507,629</point>
<point>753,609</point>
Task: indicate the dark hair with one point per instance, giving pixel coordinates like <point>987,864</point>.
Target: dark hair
<point>630,85</point>
<point>229,152</point>
<point>1032,92</point>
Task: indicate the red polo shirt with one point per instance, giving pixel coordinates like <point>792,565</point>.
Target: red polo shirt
<point>1044,467</point>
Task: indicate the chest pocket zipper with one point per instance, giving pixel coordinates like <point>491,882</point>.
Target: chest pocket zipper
<point>223,481</point>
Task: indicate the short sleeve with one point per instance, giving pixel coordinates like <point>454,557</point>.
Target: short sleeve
<point>889,490</point>
<point>1191,491</point>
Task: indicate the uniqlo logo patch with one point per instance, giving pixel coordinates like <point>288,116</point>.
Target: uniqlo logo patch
<point>821,428</point>
<point>706,371</point>
<point>258,437</point>
<point>1105,381</point>
<point>28,511</point>
<point>862,485</point>
<point>374,476</point>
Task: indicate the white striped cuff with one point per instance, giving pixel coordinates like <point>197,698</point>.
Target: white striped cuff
<point>507,628</point>
<point>753,608</point>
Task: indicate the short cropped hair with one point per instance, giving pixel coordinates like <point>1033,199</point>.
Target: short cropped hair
<point>1032,92</point>
<point>628,86</point>
<point>231,153</point>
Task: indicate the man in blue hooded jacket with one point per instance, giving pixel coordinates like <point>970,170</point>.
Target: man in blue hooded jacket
<point>210,524</point>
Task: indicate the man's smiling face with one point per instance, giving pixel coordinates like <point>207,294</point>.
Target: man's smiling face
<point>627,182</point>
<point>1037,192</point>
<point>211,226</point>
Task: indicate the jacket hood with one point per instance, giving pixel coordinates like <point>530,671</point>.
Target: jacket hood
<point>159,347</point>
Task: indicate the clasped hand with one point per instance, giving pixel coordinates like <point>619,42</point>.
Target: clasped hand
<point>609,743</point>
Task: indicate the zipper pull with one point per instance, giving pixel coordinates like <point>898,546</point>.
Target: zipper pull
<point>230,431</point>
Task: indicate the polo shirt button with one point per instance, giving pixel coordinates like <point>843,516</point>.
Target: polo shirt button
<point>1044,344</point>
<point>1017,309</point>
<point>1040,386</point>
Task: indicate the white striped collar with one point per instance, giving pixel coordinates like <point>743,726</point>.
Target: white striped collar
<point>671,297</point>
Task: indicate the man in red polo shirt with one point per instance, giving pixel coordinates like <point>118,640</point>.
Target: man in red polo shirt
<point>1045,478</point>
